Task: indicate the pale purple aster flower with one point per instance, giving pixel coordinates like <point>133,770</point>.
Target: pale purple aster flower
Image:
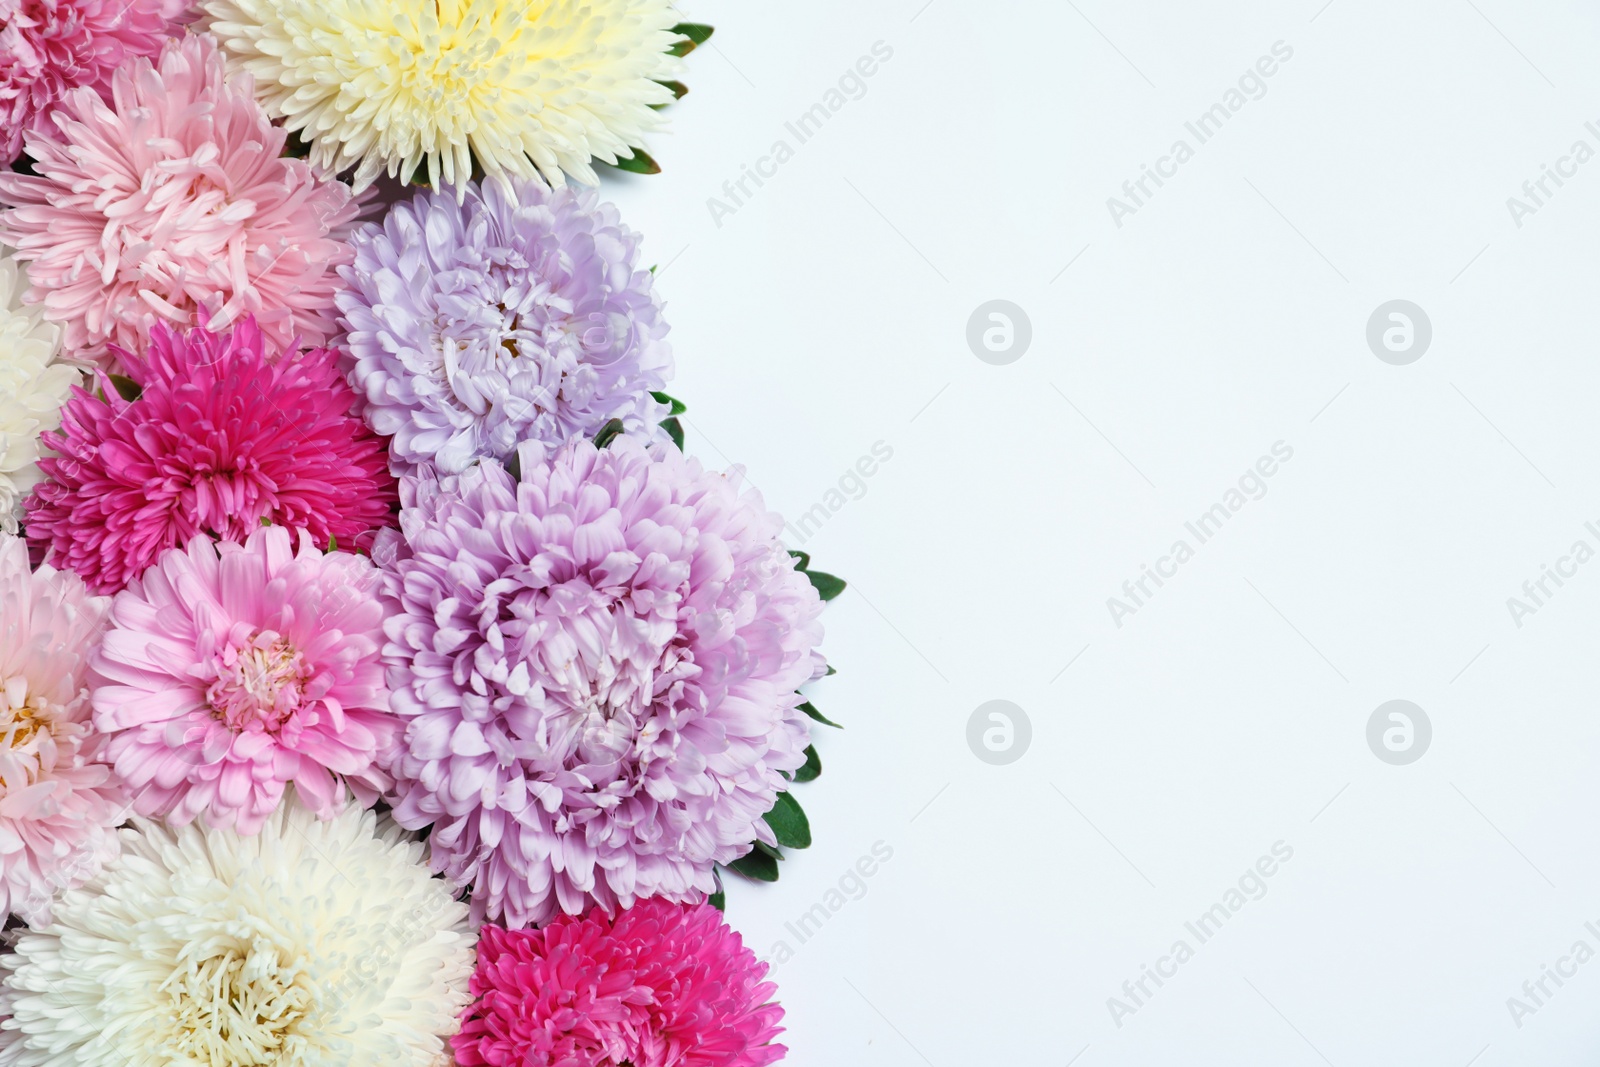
<point>517,314</point>
<point>597,666</point>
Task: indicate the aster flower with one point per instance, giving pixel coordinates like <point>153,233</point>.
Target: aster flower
<point>516,314</point>
<point>48,47</point>
<point>313,944</point>
<point>33,386</point>
<point>598,667</point>
<point>220,440</point>
<point>171,204</point>
<point>519,88</point>
<point>230,671</point>
<point>660,985</point>
<point>58,803</point>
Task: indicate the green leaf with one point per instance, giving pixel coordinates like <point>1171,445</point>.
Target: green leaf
<point>832,670</point>
<point>697,34</point>
<point>827,585</point>
<point>679,90</point>
<point>608,433</point>
<point>803,557</point>
<point>810,709</point>
<point>674,430</point>
<point>812,768</point>
<point>789,822</point>
<point>678,407</point>
<point>770,850</point>
<point>126,387</point>
<point>757,865</point>
<point>719,899</point>
<point>333,543</point>
<point>639,163</point>
<point>513,466</point>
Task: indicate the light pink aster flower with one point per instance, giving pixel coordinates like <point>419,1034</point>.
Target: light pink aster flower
<point>597,663</point>
<point>232,670</point>
<point>59,807</point>
<point>170,200</point>
<point>48,47</point>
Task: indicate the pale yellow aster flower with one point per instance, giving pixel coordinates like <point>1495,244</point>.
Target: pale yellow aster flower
<point>519,85</point>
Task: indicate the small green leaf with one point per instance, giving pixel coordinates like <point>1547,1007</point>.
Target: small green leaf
<point>697,34</point>
<point>789,822</point>
<point>266,520</point>
<point>679,90</point>
<point>513,466</point>
<point>674,430</point>
<point>827,585</point>
<point>832,670</point>
<point>126,387</point>
<point>333,543</point>
<point>719,899</point>
<point>608,433</point>
<point>639,163</point>
<point>678,407</point>
<point>803,557</point>
<point>812,768</point>
<point>811,710</point>
<point>770,850</point>
<point>758,865</point>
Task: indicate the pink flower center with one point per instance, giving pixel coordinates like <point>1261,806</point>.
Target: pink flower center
<point>258,684</point>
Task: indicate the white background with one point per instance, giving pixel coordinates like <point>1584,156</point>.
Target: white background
<point>829,312</point>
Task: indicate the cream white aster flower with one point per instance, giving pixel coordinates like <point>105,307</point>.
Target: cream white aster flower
<point>32,389</point>
<point>518,85</point>
<point>313,944</point>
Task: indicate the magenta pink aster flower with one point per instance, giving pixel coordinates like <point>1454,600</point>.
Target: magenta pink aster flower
<point>59,806</point>
<point>48,47</point>
<point>598,664</point>
<point>231,670</point>
<point>661,985</point>
<point>170,201</point>
<point>220,439</point>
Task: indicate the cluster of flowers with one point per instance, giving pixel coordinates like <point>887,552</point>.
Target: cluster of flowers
<point>380,682</point>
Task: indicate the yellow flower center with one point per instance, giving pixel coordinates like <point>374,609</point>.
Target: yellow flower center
<point>239,1006</point>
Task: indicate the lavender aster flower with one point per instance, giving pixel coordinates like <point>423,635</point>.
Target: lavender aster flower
<point>516,314</point>
<point>597,666</point>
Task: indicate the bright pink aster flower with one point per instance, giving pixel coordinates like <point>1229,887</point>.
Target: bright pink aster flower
<point>48,47</point>
<point>170,201</point>
<point>661,985</point>
<point>59,805</point>
<point>220,439</point>
<point>231,670</point>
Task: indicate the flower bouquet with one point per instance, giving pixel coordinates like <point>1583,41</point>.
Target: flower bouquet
<point>381,682</point>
